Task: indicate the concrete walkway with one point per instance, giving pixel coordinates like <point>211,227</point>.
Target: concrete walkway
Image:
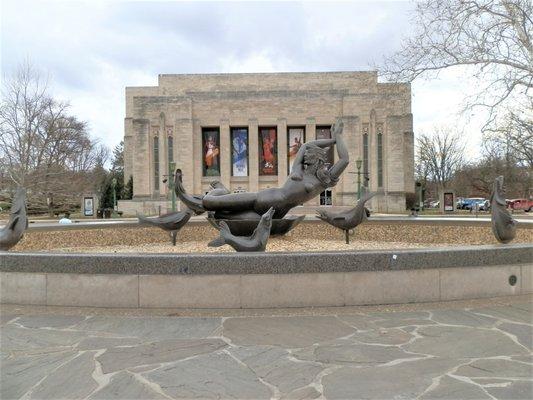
<point>475,350</point>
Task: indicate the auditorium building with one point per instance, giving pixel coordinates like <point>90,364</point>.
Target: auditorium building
<point>244,130</point>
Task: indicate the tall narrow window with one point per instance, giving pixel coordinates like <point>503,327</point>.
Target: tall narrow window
<point>211,151</point>
<point>295,140</point>
<point>365,155</point>
<point>170,146</point>
<point>324,132</point>
<point>268,151</point>
<point>380,154</point>
<point>156,162</point>
<point>239,153</point>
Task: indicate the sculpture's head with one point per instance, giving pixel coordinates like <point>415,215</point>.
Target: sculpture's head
<point>315,160</point>
<point>315,156</point>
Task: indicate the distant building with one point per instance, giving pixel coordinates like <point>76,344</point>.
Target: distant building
<point>243,130</point>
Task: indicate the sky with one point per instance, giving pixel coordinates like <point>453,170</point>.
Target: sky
<point>90,51</point>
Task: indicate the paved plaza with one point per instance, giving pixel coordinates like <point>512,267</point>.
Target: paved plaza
<point>460,350</point>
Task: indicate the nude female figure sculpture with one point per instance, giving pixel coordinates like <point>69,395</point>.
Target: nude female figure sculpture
<point>308,178</point>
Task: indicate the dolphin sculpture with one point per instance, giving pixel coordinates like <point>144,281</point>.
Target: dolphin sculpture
<point>349,219</point>
<point>171,222</point>
<point>11,234</point>
<point>256,242</point>
<point>193,202</point>
<point>503,225</point>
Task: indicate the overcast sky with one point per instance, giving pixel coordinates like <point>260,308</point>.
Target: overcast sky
<point>92,50</point>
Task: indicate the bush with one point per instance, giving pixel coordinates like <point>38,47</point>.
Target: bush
<point>410,201</point>
<point>128,189</point>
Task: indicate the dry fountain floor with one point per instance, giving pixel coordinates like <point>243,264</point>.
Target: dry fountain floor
<point>307,236</point>
<point>480,349</point>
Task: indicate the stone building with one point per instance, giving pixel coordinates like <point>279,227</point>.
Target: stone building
<point>243,130</point>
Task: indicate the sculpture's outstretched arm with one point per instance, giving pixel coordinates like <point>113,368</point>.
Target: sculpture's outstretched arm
<point>342,151</point>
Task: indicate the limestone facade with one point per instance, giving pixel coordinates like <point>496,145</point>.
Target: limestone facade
<point>377,117</point>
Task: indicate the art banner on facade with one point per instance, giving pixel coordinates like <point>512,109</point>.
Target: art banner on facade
<point>239,159</point>
<point>211,156</point>
<point>268,151</point>
<point>324,132</point>
<point>295,140</point>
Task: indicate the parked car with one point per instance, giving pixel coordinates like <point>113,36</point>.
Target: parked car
<point>520,204</point>
<point>434,204</point>
<point>471,203</point>
<point>465,202</point>
<point>485,206</point>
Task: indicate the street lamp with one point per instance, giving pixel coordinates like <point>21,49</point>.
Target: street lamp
<point>114,186</point>
<point>358,164</point>
<point>169,180</point>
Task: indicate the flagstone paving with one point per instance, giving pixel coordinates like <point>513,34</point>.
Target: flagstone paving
<point>483,351</point>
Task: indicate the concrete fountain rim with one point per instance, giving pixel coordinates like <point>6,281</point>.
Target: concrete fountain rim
<point>268,262</point>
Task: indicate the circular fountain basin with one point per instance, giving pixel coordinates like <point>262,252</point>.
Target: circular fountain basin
<point>107,266</point>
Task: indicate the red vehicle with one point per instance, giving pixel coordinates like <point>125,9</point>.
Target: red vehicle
<point>520,204</point>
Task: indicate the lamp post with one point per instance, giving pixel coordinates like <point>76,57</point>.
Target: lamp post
<point>358,164</point>
<point>114,186</point>
<point>169,180</point>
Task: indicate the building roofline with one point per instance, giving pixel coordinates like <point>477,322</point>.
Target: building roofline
<point>370,72</point>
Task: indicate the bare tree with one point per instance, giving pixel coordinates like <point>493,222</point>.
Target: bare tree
<point>491,37</point>
<point>512,139</point>
<point>439,155</point>
<point>23,112</point>
<point>42,147</point>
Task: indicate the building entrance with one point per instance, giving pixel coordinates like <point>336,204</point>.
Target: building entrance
<point>325,198</point>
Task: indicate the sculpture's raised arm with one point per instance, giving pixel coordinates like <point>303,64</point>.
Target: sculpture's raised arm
<point>342,151</point>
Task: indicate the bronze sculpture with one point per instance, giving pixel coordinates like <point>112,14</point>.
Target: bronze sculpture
<point>11,234</point>
<point>171,222</point>
<point>256,242</point>
<point>309,177</point>
<point>503,225</point>
<point>349,219</point>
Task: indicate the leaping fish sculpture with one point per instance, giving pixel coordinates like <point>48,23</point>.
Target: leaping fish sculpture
<point>349,219</point>
<point>11,234</point>
<point>256,242</point>
<point>503,225</point>
<point>171,222</point>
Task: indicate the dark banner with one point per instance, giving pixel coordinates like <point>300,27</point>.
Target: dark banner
<point>211,152</point>
<point>324,132</point>
<point>239,155</point>
<point>295,140</point>
<point>268,151</point>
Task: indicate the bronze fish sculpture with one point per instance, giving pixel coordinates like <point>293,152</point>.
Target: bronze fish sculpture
<point>11,234</point>
<point>503,225</point>
<point>348,219</point>
<point>256,242</point>
<point>171,222</point>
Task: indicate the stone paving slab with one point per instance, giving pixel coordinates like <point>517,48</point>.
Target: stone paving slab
<point>438,351</point>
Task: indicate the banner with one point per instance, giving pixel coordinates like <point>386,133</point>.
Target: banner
<point>239,155</point>
<point>295,140</point>
<point>268,151</point>
<point>211,152</point>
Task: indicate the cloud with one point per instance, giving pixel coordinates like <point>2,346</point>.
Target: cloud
<point>92,50</point>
